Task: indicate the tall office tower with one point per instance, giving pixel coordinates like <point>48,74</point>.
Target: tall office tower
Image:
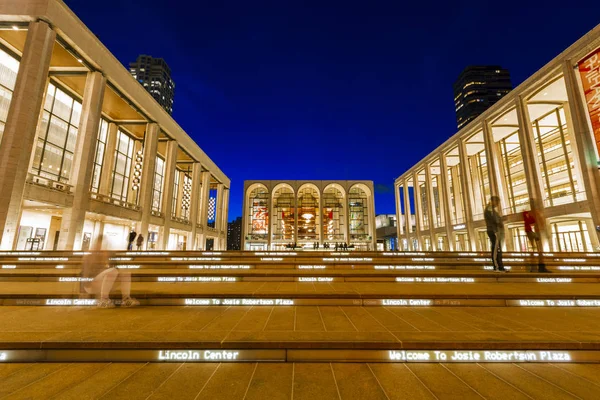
<point>155,75</point>
<point>234,234</point>
<point>477,88</point>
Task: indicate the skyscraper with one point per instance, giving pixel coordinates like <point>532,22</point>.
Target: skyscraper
<point>234,234</point>
<point>155,75</point>
<point>477,88</point>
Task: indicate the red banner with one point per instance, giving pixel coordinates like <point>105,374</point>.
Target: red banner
<point>589,69</point>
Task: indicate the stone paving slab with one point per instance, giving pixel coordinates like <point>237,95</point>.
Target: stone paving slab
<point>299,381</point>
<point>318,327</point>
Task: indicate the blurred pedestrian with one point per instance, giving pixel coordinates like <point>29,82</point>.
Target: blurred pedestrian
<point>139,242</point>
<point>130,239</point>
<point>534,226</point>
<point>495,231</point>
<point>97,265</point>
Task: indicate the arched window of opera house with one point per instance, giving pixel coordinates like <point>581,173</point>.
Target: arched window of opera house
<point>333,214</point>
<point>308,216</point>
<point>283,214</point>
<point>258,213</point>
<point>358,206</point>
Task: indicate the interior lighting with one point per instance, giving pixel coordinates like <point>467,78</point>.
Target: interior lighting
<point>15,28</point>
<point>80,60</point>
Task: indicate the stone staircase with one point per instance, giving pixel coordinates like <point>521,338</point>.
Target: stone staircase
<point>304,307</point>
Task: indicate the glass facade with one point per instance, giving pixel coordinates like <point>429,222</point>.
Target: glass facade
<point>258,213</point>
<point>554,151</point>
<point>157,186</point>
<point>9,67</point>
<point>515,183</point>
<point>174,206</point>
<point>284,208</point>
<point>436,190</point>
<point>308,214</point>
<point>57,136</point>
<point>99,156</point>
<point>424,201</point>
<point>122,166</point>
<point>333,214</point>
<point>358,207</point>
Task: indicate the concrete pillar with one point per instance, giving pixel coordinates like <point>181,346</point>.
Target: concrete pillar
<point>398,212</point>
<point>418,211</point>
<point>432,210</point>
<point>81,172</point>
<point>584,146</point>
<point>109,160</point>
<point>270,219</point>
<point>195,202</point>
<point>223,217</point>
<point>203,209</point>
<point>531,164</point>
<point>373,229</point>
<point>407,219</point>
<point>171,163</point>
<point>445,192</point>
<point>147,180</point>
<point>20,130</point>
<point>467,184</point>
<point>219,208</point>
<point>97,237</point>
<point>493,162</point>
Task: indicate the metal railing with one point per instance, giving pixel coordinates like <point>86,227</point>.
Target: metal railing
<point>157,213</point>
<point>117,202</point>
<point>181,220</point>
<point>48,183</point>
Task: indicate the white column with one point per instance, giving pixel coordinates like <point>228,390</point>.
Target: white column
<point>432,211</point>
<point>204,197</point>
<point>445,192</point>
<point>171,163</point>
<point>19,132</point>
<point>218,221</point>
<point>147,179</point>
<point>398,212</point>
<point>407,219</point>
<point>467,184</point>
<point>195,202</point>
<point>584,146</point>
<point>418,211</point>
<point>372,223</point>
<point>531,164</point>
<point>73,218</point>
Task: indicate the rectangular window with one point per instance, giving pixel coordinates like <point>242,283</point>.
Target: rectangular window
<point>157,188</point>
<point>514,173</point>
<point>122,166</point>
<point>57,136</point>
<point>9,66</point>
<point>99,157</point>
<point>175,193</point>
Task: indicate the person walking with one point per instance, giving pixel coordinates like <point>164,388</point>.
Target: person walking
<point>495,231</point>
<point>139,242</point>
<point>534,226</point>
<point>130,239</point>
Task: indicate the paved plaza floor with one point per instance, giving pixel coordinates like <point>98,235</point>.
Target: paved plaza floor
<point>299,381</point>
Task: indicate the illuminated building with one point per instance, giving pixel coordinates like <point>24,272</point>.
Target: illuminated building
<point>155,76</point>
<point>385,225</point>
<point>234,234</point>
<point>86,153</point>
<point>477,88</point>
<point>279,213</point>
<point>539,141</point>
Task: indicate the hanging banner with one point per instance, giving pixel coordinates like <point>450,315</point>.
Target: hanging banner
<point>589,70</point>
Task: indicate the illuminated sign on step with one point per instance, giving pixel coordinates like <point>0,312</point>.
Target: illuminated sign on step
<point>70,302</point>
<point>479,356</point>
<point>9,266</point>
<point>576,268</point>
<point>435,279</point>
<point>311,267</point>
<point>196,279</point>
<point>559,303</point>
<point>219,267</point>
<point>195,258</point>
<point>554,280</point>
<point>238,302</point>
<point>315,279</point>
<point>271,259</point>
<point>275,254</point>
<point>406,302</point>
<point>74,279</point>
<point>403,267</point>
<point>2,356</point>
<point>191,355</point>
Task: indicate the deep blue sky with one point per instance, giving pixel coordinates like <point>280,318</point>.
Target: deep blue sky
<point>328,89</point>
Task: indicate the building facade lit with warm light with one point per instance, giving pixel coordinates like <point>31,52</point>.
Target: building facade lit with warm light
<point>277,214</point>
<point>86,153</point>
<point>539,141</point>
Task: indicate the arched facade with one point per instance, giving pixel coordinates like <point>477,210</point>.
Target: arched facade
<point>257,214</point>
<point>360,225</point>
<point>333,206</point>
<point>309,219</point>
<point>284,210</point>
<point>302,214</point>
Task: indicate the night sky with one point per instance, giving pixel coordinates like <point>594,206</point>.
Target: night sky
<point>328,89</point>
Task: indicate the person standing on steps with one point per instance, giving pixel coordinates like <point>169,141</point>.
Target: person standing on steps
<point>130,239</point>
<point>139,242</point>
<point>534,226</point>
<point>495,231</point>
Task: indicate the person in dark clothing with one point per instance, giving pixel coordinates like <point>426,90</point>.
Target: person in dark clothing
<point>495,231</point>
<point>131,238</point>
